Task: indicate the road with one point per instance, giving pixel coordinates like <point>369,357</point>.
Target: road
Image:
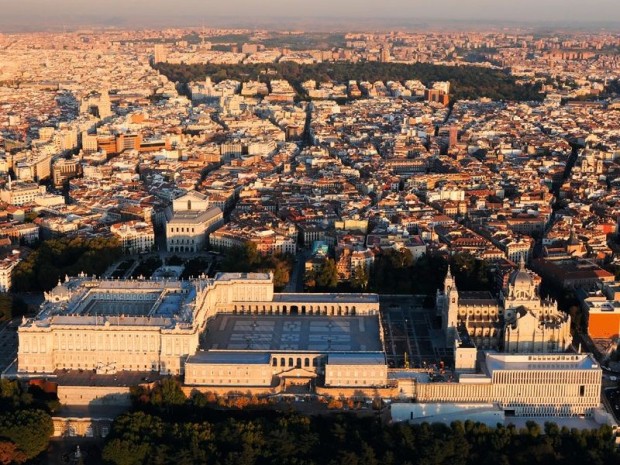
<point>296,281</point>
<point>8,343</point>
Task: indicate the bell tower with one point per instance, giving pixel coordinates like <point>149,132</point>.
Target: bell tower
<point>450,307</point>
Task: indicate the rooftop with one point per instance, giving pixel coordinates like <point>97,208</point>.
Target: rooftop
<point>327,298</point>
<point>541,362</point>
<point>230,358</point>
<point>89,378</point>
<point>242,276</point>
<point>362,358</point>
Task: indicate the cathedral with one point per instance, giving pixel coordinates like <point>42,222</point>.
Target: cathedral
<point>519,321</point>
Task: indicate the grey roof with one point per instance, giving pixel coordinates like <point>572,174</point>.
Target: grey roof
<point>327,298</point>
<point>241,276</point>
<point>360,358</point>
<point>539,362</point>
<point>195,215</point>
<point>230,358</point>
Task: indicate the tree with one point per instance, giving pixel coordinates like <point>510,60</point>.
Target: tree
<point>56,258</point>
<point>328,275</point>
<point>360,278</point>
<point>9,453</point>
<point>29,430</point>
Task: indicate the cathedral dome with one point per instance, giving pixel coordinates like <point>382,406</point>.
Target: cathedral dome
<point>520,278</point>
<point>521,283</point>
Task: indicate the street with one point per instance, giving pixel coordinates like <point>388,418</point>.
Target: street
<point>8,343</point>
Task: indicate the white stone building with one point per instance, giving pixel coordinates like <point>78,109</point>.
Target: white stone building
<point>7,265</point>
<point>519,321</point>
<point>21,193</point>
<point>135,236</point>
<point>187,230</point>
<point>193,219</point>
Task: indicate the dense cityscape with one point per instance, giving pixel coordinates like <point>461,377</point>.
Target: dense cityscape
<point>259,246</point>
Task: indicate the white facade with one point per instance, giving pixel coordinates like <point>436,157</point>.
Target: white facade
<point>135,236</point>
<point>6,271</point>
<point>352,370</point>
<point>519,321</point>
<point>136,325</point>
<point>21,193</point>
<point>187,230</point>
<point>526,385</point>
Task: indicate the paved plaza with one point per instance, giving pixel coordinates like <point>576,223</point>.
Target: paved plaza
<point>307,333</point>
<point>412,329</point>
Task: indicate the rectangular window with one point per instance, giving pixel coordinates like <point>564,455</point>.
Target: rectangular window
<point>582,391</point>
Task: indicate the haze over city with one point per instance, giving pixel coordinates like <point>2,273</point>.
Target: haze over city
<point>388,229</point>
<point>32,14</point>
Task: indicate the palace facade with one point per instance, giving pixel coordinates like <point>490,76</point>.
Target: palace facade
<point>156,325</point>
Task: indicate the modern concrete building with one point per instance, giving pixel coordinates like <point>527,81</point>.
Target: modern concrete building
<point>489,414</point>
<point>525,385</point>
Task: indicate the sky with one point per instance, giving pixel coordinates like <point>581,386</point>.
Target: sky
<point>198,11</point>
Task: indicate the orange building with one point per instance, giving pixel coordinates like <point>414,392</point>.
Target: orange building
<point>604,321</point>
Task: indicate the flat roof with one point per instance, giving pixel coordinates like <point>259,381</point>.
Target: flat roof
<point>327,298</point>
<point>89,378</point>
<point>605,307</point>
<point>360,358</point>
<point>97,412</point>
<point>293,333</point>
<point>230,358</point>
<point>242,276</point>
<point>539,362</point>
<point>194,215</point>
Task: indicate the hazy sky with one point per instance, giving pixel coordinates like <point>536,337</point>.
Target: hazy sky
<point>507,10</point>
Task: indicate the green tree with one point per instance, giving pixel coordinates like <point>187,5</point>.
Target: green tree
<point>360,278</point>
<point>327,277</point>
<point>56,258</point>
<point>29,430</point>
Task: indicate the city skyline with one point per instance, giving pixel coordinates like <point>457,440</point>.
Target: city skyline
<point>33,14</point>
<point>305,209</point>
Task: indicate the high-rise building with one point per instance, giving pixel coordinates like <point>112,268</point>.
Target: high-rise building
<point>160,54</point>
<point>385,55</point>
<point>453,136</point>
<point>64,170</point>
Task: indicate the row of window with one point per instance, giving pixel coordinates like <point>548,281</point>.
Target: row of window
<point>182,241</point>
<point>291,362</point>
